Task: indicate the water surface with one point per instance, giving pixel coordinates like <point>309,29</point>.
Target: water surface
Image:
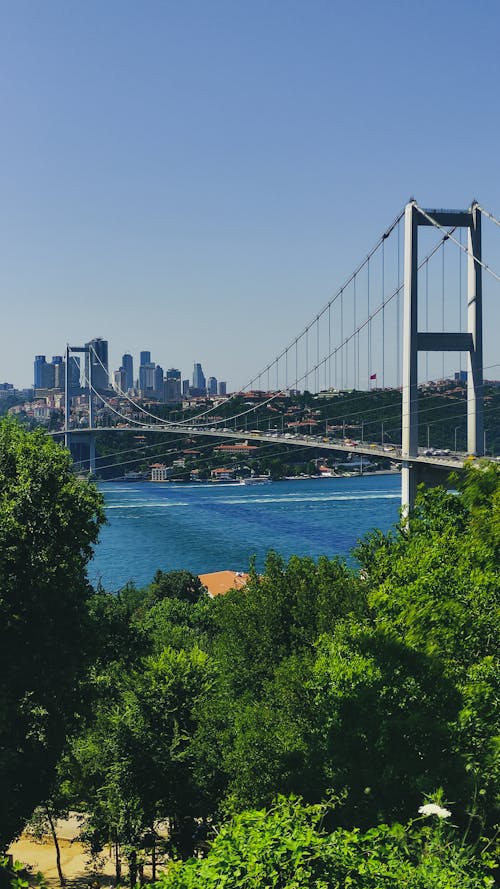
<point>206,527</point>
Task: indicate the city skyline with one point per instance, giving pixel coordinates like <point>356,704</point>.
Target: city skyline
<point>141,374</point>
<point>217,172</point>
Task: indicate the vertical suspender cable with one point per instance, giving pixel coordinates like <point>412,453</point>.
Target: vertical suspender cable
<point>460,299</point>
<point>346,360</point>
<point>317,354</point>
<point>341,338</point>
<point>383,314</point>
<point>442,305</point>
<point>329,346</point>
<point>356,342</point>
<point>369,326</point>
<point>427,316</point>
<point>357,350</point>
<point>306,379</point>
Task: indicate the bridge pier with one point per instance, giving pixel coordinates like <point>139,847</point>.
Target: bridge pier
<point>414,474</point>
<point>408,484</point>
<point>475,423</point>
<point>92,453</point>
<point>67,405</point>
<point>81,445</point>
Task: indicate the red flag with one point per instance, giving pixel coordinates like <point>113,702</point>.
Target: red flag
<point>373,376</point>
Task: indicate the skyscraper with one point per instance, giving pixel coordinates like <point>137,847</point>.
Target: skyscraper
<point>212,386</point>
<point>59,371</point>
<point>119,380</point>
<point>128,367</point>
<point>38,366</point>
<point>199,381</point>
<point>172,385</point>
<point>97,359</point>
<point>158,384</point>
<point>147,377</point>
<point>44,373</point>
<point>221,387</point>
<point>145,358</point>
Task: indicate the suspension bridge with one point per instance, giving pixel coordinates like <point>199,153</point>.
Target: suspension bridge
<point>409,316</point>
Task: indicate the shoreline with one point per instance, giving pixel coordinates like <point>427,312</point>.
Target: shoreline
<point>285,478</point>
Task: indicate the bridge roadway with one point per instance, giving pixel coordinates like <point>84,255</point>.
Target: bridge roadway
<point>440,463</point>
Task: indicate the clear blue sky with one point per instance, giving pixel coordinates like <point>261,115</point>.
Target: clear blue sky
<point>197,178</point>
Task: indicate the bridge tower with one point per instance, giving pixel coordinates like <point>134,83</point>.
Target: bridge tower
<point>67,405</point>
<point>415,342</point>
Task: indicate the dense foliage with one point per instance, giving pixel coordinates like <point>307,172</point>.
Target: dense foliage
<point>352,695</point>
<point>48,523</point>
<point>287,848</point>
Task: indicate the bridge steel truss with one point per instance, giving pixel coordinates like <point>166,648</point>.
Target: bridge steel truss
<point>415,341</point>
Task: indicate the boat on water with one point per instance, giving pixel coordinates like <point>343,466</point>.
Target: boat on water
<point>256,480</point>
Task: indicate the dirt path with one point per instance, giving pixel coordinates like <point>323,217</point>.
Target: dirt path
<point>75,863</point>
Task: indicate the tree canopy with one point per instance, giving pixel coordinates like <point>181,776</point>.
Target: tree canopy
<point>49,521</point>
<point>350,693</point>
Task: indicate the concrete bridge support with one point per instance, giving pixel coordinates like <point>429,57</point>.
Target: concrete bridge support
<point>415,342</point>
<point>90,437</point>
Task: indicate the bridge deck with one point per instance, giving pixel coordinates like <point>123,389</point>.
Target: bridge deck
<point>369,449</point>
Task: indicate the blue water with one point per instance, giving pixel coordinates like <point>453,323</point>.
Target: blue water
<point>204,527</point>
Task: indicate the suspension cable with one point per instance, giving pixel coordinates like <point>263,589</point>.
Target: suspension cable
<point>489,215</point>
<point>459,245</point>
<point>346,403</point>
<point>336,296</point>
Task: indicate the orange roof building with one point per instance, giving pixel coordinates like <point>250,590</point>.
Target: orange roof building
<point>220,582</point>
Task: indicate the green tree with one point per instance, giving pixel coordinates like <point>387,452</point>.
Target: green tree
<point>434,583</point>
<point>175,585</point>
<point>360,713</point>
<point>132,765</point>
<point>49,521</point>
<point>287,848</point>
<point>281,612</point>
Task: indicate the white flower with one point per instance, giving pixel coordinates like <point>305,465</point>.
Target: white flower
<point>434,809</point>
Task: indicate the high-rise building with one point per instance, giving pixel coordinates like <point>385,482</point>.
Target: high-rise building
<point>158,382</point>
<point>38,368</point>
<point>172,385</point>
<point>212,386</point>
<point>221,387</point>
<point>128,367</point>
<point>44,373</point>
<point>145,358</point>
<point>147,378</point>
<point>185,387</point>
<point>59,371</point>
<point>97,359</point>
<point>53,375</point>
<point>199,381</point>
<point>120,380</point>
